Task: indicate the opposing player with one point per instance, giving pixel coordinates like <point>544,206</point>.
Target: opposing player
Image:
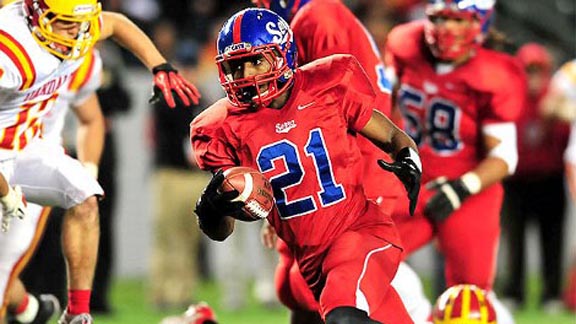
<point>299,127</point>
<point>42,44</point>
<point>80,95</point>
<point>338,31</point>
<point>459,102</point>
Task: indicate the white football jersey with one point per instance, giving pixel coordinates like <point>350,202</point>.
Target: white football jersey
<point>85,81</point>
<point>31,80</point>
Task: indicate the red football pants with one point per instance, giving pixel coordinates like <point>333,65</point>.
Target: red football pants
<point>468,238</point>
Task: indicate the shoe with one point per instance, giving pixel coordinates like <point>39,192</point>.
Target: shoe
<point>200,313</point>
<point>48,307</point>
<point>83,318</point>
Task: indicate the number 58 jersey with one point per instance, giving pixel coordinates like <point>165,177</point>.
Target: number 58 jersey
<point>444,111</point>
<point>307,149</point>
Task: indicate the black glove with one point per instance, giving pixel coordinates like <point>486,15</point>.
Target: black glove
<point>171,86</point>
<point>213,205</point>
<point>407,168</point>
<point>449,196</point>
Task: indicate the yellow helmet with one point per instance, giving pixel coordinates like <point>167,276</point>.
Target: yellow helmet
<point>463,304</point>
<point>41,14</point>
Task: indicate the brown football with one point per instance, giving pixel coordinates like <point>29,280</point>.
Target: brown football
<point>255,191</point>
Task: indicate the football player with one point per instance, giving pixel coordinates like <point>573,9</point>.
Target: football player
<point>42,44</point>
<point>459,102</point>
<point>299,127</point>
<point>79,94</point>
<point>338,31</point>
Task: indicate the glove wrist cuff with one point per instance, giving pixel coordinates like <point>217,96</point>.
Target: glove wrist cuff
<point>408,153</point>
<point>163,67</point>
<point>471,182</point>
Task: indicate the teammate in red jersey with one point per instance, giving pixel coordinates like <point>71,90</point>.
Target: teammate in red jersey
<point>459,102</point>
<point>299,127</point>
<point>338,31</point>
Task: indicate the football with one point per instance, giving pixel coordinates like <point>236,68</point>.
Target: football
<point>255,191</point>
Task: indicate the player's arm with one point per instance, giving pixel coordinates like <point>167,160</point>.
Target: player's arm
<point>167,82</point>
<point>407,165</point>
<point>499,140</point>
<point>90,133</point>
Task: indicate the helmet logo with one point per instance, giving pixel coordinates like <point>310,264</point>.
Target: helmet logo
<point>83,9</point>
<point>278,31</point>
<point>238,46</point>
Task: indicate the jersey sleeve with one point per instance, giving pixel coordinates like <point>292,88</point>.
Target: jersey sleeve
<point>87,79</point>
<point>211,149</point>
<point>359,98</point>
<point>508,93</point>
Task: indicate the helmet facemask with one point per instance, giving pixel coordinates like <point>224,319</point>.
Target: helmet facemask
<point>255,90</point>
<point>468,21</point>
<point>44,19</point>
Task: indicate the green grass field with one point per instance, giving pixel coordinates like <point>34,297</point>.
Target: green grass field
<point>128,298</point>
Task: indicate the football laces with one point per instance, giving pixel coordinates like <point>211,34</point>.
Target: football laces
<point>256,209</point>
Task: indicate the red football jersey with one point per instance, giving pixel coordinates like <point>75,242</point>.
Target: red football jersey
<point>444,112</point>
<point>307,149</point>
<point>337,31</point>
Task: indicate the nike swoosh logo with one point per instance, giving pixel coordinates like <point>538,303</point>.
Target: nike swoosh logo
<point>302,107</point>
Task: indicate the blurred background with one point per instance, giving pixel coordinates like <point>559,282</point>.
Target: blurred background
<point>185,33</point>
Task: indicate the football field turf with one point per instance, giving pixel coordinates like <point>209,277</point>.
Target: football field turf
<point>128,299</point>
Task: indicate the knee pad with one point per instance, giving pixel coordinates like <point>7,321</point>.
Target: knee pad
<point>348,315</point>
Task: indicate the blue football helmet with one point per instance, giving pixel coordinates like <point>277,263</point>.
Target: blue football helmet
<point>253,35</point>
<point>450,44</point>
<point>284,8</point>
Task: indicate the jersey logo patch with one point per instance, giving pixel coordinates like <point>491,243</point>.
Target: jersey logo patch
<point>302,107</point>
<point>285,127</point>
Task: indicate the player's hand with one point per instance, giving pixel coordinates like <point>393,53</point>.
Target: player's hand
<point>172,87</point>
<point>213,204</point>
<point>13,205</point>
<point>448,197</point>
<point>268,235</point>
<point>408,169</point>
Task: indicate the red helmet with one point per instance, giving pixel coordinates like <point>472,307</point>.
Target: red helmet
<point>463,304</point>
<point>448,44</point>
<point>41,14</point>
<point>200,313</point>
<point>535,54</point>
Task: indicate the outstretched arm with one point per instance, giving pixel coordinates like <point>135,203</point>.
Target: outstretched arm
<point>168,84</point>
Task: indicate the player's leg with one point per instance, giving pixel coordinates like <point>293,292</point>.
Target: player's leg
<point>358,268</point>
<point>469,241</point>
<point>24,307</point>
<point>49,177</point>
<point>348,315</point>
<point>16,247</point>
<point>292,290</point>
<point>415,231</point>
<point>409,287</point>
